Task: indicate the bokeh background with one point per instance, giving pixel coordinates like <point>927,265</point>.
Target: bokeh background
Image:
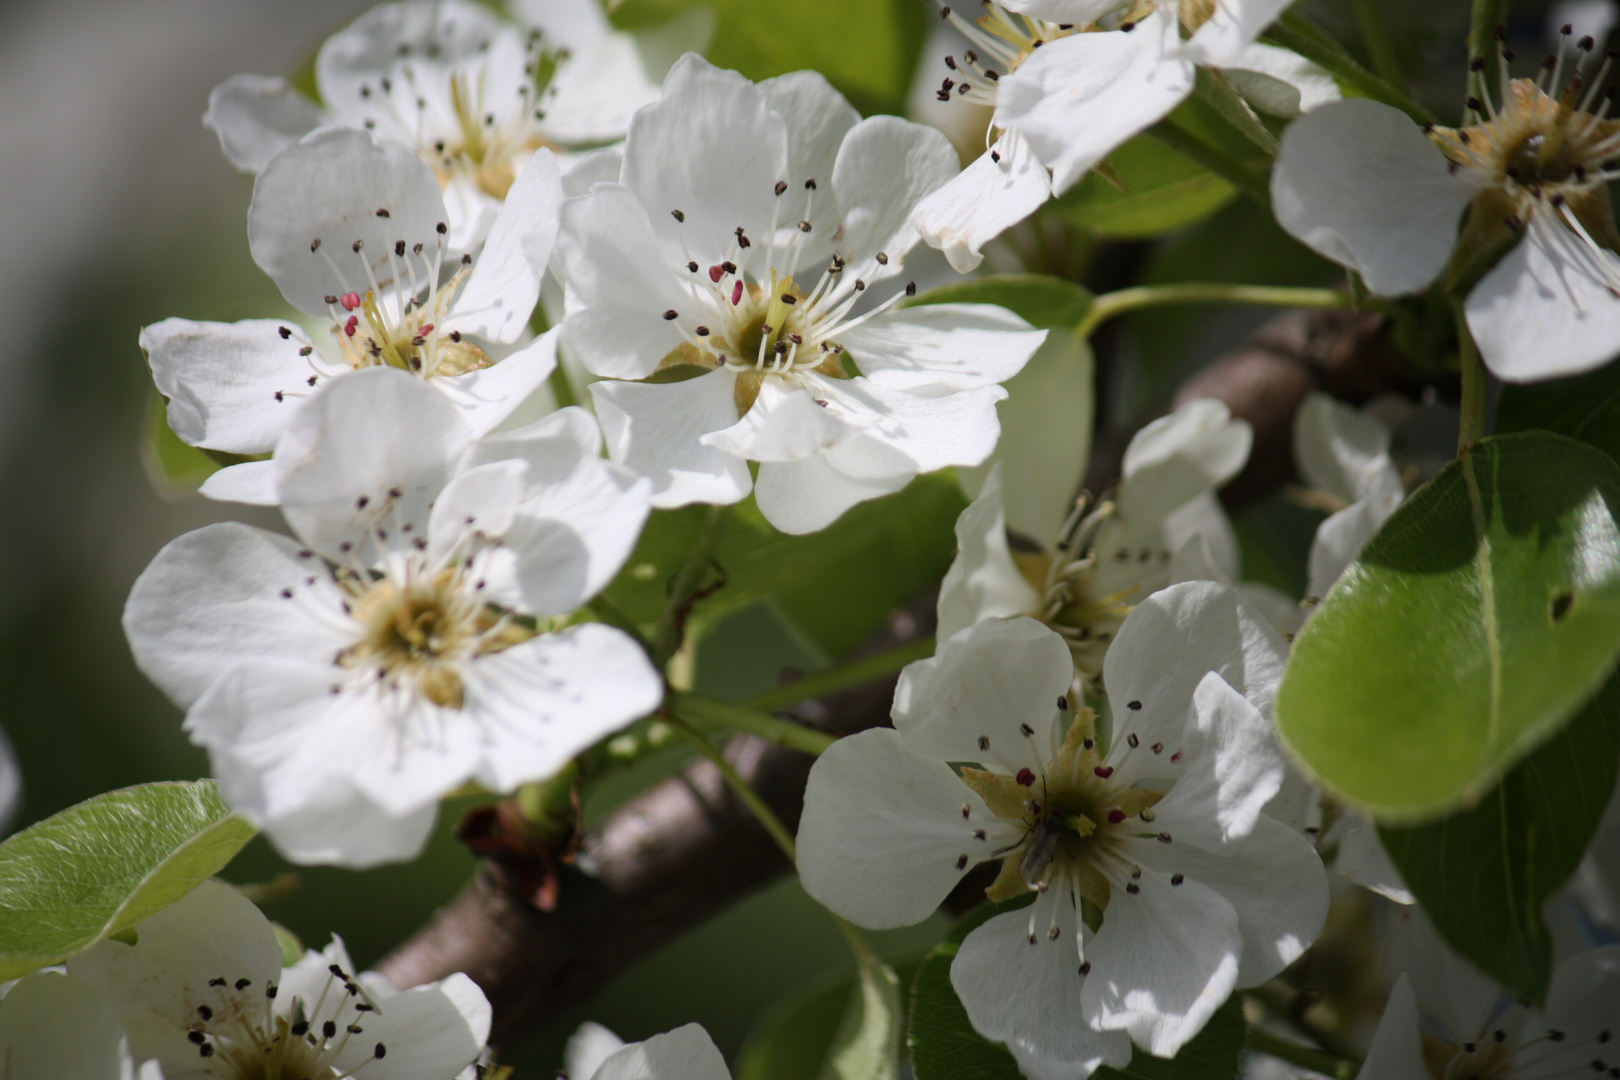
<point>117,210</point>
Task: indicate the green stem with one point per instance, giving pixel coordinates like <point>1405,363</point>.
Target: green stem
<point>1375,35</point>
<point>1216,91</point>
<point>842,676</point>
<point>756,805</point>
<point>1216,161</point>
<point>667,637</point>
<point>706,714</point>
<point>1475,383</point>
<point>1108,305</point>
<point>1304,1056</point>
<point>1487,15</point>
<point>1292,32</point>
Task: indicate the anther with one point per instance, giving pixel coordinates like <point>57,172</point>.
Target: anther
<point>1176,879</point>
<point>284,332</point>
<point>966,811</point>
<point>329,1029</point>
<point>883,258</point>
<point>1085,968</point>
<point>216,982</point>
<point>1025,777</point>
<point>995,156</point>
<point>1133,740</point>
<point>358,244</point>
<point>1164,838</point>
<point>677,215</point>
<point>1116,816</point>
<point>315,244</point>
<point>1133,705</point>
<point>789,298</point>
<point>205,1012</point>
<point>984,742</point>
<point>1026,729</point>
<point>1132,887</point>
<point>911,288</point>
<point>1104,771</point>
<point>804,226</point>
<point>979,834</point>
<point>441,228</point>
<point>205,1050</point>
<point>382,211</point>
<point>692,266</point>
<point>197,1037</point>
<point>702,331</point>
<point>781,186</point>
<point>670,314</point>
<point>1063,703</point>
<point>380,1052</point>
<point>961,862</point>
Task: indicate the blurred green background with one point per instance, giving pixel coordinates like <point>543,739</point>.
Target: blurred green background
<point>118,210</point>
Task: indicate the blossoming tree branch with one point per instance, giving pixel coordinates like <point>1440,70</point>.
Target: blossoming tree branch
<point>590,343</point>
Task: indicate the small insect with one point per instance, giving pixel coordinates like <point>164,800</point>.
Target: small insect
<point>1042,848</point>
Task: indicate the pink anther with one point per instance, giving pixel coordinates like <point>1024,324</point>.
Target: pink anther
<point>350,326</point>
<point>716,272</point>
<point>349,300</point>
<point>736,294</point>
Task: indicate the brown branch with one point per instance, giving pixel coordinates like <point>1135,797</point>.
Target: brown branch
<point>687,849</point>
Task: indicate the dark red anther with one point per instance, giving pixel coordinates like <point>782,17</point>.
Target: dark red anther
<point>350,326</point>
<point>349,300</point>
<point>427,328</point>
<point>1115,816</point>
<point>1026,777</point>
<point>1175,758</point>
<point>1104,771</point>
<point>736,294</point>
<point>716,272</point>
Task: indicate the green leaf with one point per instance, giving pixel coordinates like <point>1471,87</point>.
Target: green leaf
<point>881,552</point>
<point>792,1038</point>
<point>944,1045</point>
<point>171,465</point>
<point>99,868</point>
<point>1476,622</point>
<point>1483,875</point>
<point>867,1044</point>
<point>1038,299</point>
<point>866,48</point>
<point>1585,407</point>
<point>1164,190</point>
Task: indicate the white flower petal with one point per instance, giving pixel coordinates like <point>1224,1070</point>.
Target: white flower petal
<point>1164,960</point>
<point>328,186</point>
<point>711,148</point>
<point>589,1046</point>
<point>1280,81</point>
<point>984,683</point>
<point>429,1032</point>
<point>656,429</point>
<point>489,396</point>
<point>1064,11</point>
<point>351,447</point>
<point>1272,878</point>
<point>1233,768</point>
<point>1581,1002</point>
<point>258,116</point>
<point>212,932</point>
<point>231,386</point>
<point>1231,31</point>
<point>817,120</point>
<point>1359,182</point>
<point>598,88</point>
<point>885,167</point>
<point>566,24</point>
<point>1028,995</point>
<point>1166,646</point>
<point>581,172</point>
<point>1341,537</point>
<point>214,598</point>
<point>52,1025</point>
<point>1000,189</point>
<point>884,837</point>
<point>933,427</point>
<point>1397,1048</point>
<point>1192,451</point>
<point>1447,987</point>
<point>687,1053</point>
<point>1550,308</point>
<point>618,286</point>
<point>983,581</point>
<point>1340,449</point>
<point>807,495</point>
<point>1078,98</point>
<point>784,424</point>
<point>542,702</point>
<point>499,297</point>
<point>960,346</point>
<point>483,498</point>
<point>1363,860</point>
<point>255,483</point>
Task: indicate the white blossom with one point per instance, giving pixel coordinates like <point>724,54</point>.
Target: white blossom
<point>1156,830</point>
<point>352,231</point>
<point>1087,572</point>
<point>1365,186</point>
<point>203,992</point>
<point>53,1025</point>
<point>1573,1037</point>
<point>725,268</point>
<point>344,681</point>
<point>464,89</point>
<point>687,1053</point>
<point>1072,80</point>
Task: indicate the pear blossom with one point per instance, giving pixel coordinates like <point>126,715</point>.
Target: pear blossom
<point>352,231</point>
<point>1159,885</point>
<point>402,645</point>
<point>472,94</point>
<point>1087,572</point>
<point>203,993</point>
<point>687,1053</point>
<point>52,1025</point>
<point>1072,80</point>
<point>725,269</point>
<point>1572,1037</point>
<point>1513,206</point>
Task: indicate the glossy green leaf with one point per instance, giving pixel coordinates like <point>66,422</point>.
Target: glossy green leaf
<point>1476,622</point>
<point>866,48</point>
<point>867,1043</point>
<point>99,868</point>
<point>1585,407</point>
<point>1039,299</point>
<point>881,553</point>
<point>793,1038</point>
<point>1164,190</point>
<point>944,1045</point>
<point>1484,875</point>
